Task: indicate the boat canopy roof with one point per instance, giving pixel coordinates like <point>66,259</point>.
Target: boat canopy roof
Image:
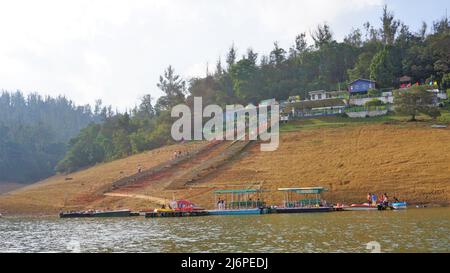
<point>237,191</point>
<point>307,190</point>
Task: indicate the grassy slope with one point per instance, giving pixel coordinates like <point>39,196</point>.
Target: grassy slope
<point>9,186</point>
<point>76,190</point>
<point>350,157</point>
<point>410,161</point>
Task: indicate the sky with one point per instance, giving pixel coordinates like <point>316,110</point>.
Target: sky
<point>116,50</point>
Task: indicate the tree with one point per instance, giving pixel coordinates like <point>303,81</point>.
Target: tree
<point>173,88</point>
<point>322,35</point>
<point>389,27</point>
<point>231,56</point>
<point>413,101</point>
<point>146,109</point>
<point>300,46</point>
<point>362,67</point>
<point>382,69</point>
<point>242,75</point>
<point>251,56</point>
<point>354,38</point>
<point>445,82</point>
<point>277,55</point>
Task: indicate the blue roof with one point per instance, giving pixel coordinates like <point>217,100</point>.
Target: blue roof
<point>364,80</point>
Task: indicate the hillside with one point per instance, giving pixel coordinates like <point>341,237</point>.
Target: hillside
<point>409,160</point>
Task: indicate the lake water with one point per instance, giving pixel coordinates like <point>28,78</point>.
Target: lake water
<point>413,230</point>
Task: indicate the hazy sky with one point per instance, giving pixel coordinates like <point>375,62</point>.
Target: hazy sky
<point>116,50</point>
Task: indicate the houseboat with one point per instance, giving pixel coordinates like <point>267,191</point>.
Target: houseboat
<point>238,202</point>
<point>301,200</point>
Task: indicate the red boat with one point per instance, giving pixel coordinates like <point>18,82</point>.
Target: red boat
<point>184,205</point>
<point>364,206</point>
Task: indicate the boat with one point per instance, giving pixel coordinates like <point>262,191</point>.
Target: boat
<point>92,213</point>
<point>238,202</point>
<point>399,205</point>
<point>312,201</point>
<point>236,211</point>
<point>359,207</point>
<point>177,208</point>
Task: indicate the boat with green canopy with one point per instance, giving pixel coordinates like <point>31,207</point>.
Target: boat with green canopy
<point>300,200</point>
<point>238,202</point>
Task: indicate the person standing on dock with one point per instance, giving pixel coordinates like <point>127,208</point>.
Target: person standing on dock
<point>374,199</point>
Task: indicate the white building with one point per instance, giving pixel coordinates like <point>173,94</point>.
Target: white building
<point>318,95</point>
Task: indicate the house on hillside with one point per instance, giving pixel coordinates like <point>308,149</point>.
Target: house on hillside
<point>361,86</point>
<point>314,108</point>
<point>318,95</point>
<point>323,95</point>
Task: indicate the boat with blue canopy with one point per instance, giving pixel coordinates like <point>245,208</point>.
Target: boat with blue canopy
<point>399,205</point>
<point>301,200</point>
<point>238,202</point>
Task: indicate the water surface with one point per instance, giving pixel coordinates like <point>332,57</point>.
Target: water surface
<point>413,230</point>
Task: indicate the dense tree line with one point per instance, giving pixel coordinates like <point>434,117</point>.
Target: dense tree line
<point>382,53</point>
<point>34,131</point>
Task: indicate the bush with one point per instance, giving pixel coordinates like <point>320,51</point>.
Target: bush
<point>374,93</point>
<point>434,113</point>
<point>444,119</point>
<point>374,102</point>
<point>342,115</point>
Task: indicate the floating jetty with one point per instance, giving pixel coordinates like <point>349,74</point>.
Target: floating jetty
<point>156,214</point>
<point>245,202</point>
<point>83,214</point>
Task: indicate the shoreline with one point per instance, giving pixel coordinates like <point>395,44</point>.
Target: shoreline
<point>48,214</point>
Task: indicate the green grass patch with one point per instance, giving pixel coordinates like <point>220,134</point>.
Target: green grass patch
<point>339,121</point>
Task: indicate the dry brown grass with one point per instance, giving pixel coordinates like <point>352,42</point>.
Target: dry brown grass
<point>76,190</point>
<point>410,161</point>
<point>9,186</point>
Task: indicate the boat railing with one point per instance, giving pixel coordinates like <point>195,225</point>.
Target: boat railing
<point>245,204</point>
<point>314,202</point>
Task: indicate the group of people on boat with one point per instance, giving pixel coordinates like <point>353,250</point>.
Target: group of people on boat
<point>382,199</point>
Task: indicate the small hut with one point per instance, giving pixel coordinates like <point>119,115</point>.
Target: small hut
<point>405,81</point>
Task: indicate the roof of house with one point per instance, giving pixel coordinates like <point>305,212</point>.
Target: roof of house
<point>405,79</point>
<point>361,80</point>
<point>317,92</point>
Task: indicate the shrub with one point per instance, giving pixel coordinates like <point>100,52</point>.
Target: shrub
<point>374,102</point>
<point>374,93</point>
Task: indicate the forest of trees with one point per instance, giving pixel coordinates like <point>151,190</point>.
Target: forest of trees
<point>382,53</point>
<point>34,132</point>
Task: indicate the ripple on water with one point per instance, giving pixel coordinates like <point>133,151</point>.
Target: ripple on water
<point>412,230</point>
